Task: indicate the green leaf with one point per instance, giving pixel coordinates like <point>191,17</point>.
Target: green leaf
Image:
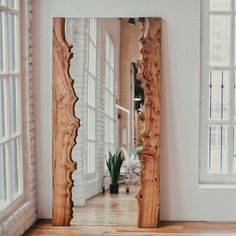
<point>114,165</point>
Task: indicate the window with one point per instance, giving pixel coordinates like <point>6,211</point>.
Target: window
<point>218,88</point>
<point>110,102</point>
<point>11,177</point>
<point>91,72</point>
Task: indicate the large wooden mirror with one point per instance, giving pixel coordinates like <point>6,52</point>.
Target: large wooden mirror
<point>141,113</point>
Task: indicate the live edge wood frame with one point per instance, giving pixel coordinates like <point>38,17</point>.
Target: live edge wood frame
<point>65,126</point>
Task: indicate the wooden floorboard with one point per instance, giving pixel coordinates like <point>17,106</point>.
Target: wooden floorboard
<point>116,215</point>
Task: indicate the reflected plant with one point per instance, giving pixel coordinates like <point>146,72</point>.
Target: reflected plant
<point>114,164</point>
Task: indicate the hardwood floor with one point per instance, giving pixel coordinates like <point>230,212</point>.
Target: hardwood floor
<point>116,215</point>
<point>109,210</point>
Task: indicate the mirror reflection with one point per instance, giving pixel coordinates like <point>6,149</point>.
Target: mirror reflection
<point>104,68</point>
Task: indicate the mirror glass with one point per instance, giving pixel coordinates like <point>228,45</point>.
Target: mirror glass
<point>104,67</point>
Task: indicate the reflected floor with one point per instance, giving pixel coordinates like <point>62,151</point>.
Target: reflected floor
<point>109,209</point>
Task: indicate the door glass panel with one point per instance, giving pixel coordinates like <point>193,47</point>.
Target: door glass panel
<point>219,47</point>
<point>220,5</point>
<point>218,149</point>
<point>219,95</point>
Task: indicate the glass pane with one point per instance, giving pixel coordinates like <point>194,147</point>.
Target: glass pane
<point>15,166</point>
<point>107,75</point>
<point>106,102</point>
<point>1,41</point>
<point>90,157</point>
<point>13,104</point>
<point>112,56</point>
<point>219,95</point>
<point>91,62</point>
<point>235,41</point>
<point>111,106</point>
<point>234,149</point>
<point>13,4</point>
<point>106,130</point>
<point>3,2</point>
<point>107,48</point>
<point>12,42</point>
<point>106,152</point>
<point>219,40</point>
<point>3,194</point>
<point>234,96</point>
<point>93,30</point>
<point>2,126</point>
<point>91,90</point>
<point>111,81</point>
<point>220,5</point>
<point>218,149</point>
<point>94,61</point>
<point>111,131</point>
<point>91,122</point>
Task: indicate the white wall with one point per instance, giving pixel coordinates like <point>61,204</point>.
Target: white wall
<point>181,197</point>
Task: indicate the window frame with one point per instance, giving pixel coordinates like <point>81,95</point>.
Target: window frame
<point>204,176</point>
<point>23,89</point>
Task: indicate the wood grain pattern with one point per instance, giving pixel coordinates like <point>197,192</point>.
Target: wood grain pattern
<point>149,74</point>
<point>65,126</point>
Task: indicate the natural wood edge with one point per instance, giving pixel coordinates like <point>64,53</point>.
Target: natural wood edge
<point>65,126</point>
<point>149,74</point>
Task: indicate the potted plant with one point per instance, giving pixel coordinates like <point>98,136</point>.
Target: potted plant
<point>114,163</point>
